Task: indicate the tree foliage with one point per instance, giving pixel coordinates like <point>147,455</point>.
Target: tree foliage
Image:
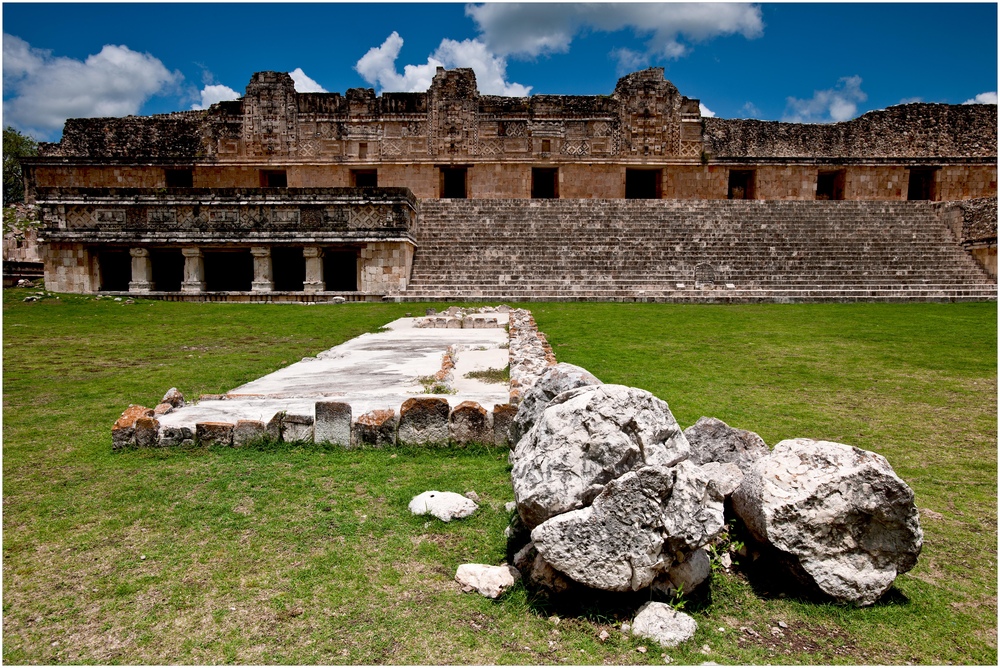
<point>15,145</point>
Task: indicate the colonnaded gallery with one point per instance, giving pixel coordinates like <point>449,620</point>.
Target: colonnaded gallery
<point>449,194</point>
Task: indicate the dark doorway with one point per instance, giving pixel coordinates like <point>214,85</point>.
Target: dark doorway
<point>179,178</point>
<point>168,269</point>
<point>340,269</point>
<point>453,182</point>
<point>273,178</point>
<point>364,178</point>
<point>741,184</point>
<point>116,270</point>
<point>228,271</point>
<point>544,183</point>
<point>643,183</point>
<point>289,269</point>
<point>830,185</point>
<point>922,184</point>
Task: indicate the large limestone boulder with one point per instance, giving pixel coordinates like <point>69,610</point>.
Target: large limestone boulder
<point>635,528</point>
<point>838,511</point>
<point>712,440</point>
<point>555,380</point>
<point>586,438</point>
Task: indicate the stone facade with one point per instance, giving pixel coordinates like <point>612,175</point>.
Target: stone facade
<point>255,175</point>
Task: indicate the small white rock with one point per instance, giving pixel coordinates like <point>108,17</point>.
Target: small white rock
<point>661,623</point>
<point>489,581</point>
<point>445,506</point>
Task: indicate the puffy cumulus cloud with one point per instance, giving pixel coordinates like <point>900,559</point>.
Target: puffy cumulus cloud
<point>530,30</point>
<point>304,84</point>
<point>44,90</point>
<point>982,98</point>
<point>213,93</point>
<point>750,110</point>
<point>378,67</point>
<point>839,103</point>
<point>705,111</point>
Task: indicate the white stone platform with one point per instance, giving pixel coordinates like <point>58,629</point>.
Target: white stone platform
<point>372,371</point>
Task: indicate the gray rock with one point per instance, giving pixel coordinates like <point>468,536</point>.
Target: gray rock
<point>634,529</point>
<point>724,477</point>
<point>555,380</point>
<point>217,433</point>
<point>686,576</point>
<point>713,440</point>
<point>375,428</point>
<point>503,417</point>
<point>423,420</point>
<point>246,431</point>
<point>445,506</point>
<point>333,423</point>
<point>470,423</point>
<point>147,432</point>
<point>297,428</point>
<point>174,436</point>
<point>662,624</point>
<point>840,512</point>
<point>173,397</point>
<point>489,581</point>
<point>586,438</point>
<point>538,573</point>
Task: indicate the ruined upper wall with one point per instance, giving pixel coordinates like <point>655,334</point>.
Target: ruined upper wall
<point>177,135</point>
<point>905,131</point>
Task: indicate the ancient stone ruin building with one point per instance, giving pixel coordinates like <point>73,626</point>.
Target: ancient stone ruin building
<point>451,194</point>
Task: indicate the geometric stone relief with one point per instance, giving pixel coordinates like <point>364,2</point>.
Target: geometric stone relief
<point>223,216</point>
<point>109,216</point>
<point>285,216</point>
<point>491,147</point>
<point>392,147</point>
<point>369,217</point>
<point>161,216</point>
<point>575,147</point>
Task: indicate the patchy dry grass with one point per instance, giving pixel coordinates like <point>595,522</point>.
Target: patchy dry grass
<point>308,555</point>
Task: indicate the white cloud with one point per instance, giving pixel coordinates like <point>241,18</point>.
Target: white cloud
<point>378,67</point>
<point>911,100</point>
<point>47,90</point>
<point>750,110</point>
<point>530,30</point>
<point>215,93</point>
<point>303,84</point>
<point>982,98</point>
<point>839,103</point>
<point>705,111</point>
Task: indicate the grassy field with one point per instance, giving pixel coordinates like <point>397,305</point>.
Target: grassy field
<point>308,555</point>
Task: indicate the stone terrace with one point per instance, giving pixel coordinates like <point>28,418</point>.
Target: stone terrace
<point>668,250</point>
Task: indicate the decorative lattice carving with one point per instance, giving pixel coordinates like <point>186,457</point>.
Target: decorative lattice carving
<point>285,216</point>
<point>393,147</point>
<point>161,216</point>
<point>490,147</point>
<point>369,217</point>
<point>576,147</point>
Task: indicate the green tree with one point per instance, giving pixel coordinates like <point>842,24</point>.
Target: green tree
<point>15,145</point>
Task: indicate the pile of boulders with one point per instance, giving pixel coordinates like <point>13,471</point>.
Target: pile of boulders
<point>612,495</point>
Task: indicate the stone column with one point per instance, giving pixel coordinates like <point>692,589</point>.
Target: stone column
<point>142,271</point>
<point>263,270</point>
<point>194,270</point>
<point>314,269</point>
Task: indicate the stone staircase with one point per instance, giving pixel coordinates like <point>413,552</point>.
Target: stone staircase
<point>689,251</point>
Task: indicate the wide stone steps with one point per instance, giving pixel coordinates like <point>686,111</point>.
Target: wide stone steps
<point>642,250</point>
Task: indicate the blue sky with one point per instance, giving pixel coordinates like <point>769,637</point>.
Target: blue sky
<point>801,62</point>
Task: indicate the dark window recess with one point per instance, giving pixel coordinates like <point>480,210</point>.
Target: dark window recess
<point>643,183</point>
<point>363,150</point>
<point>921,184</point>
<point>179,178</point>
<point>544,183</point>
<point>168,270</point>
<point>340,270</point>
<point>546,145</point>
<point>364,178</point>
<point>273,178</point>
<point>741,184</point>
<point>288,266</point>
<point>116,270</point>
<point>830,185</point>
<point>228,271</point>
<point>453,182</point>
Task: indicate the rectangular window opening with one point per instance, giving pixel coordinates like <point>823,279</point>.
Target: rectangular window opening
<point>273,178</point>
<point>830,184</point>
<point>340,270</point>
<point>544,183</point>
<point>643,183</point>
<point>922,184</point>
<point>228,271</point>
<point>179,178</point>
<point>546,145</point>
<point>115,269</point>
<point>364,178</point>
<point>741,183</point>
<point>288,266</point>
<point>362,150</point>
<point>453,182</point>
<point>168,269</point>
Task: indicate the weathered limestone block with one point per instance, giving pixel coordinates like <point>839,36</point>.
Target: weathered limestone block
<point>147,432</point>
<point>333,423</point>
<point>725,478</point>
<point>488,581</point>
<point>470,423</point>
<point>376,428</point>
<point>634,529</point>
<point>247,431</point>
<point>539,573</point>
<point>297,428</point>
<point>276,426</point>
<point>554,380</point>
<point>423,420</point>
<point>123,430</point>
<point>713,440</point>
<point>685,576</point>
<point>445,506</point>
<point>174,436</point>
<point>218,433</point>
<point>503,416</point>
<point>173,397</point>
<point>163,409</point>
<point>662,624</point>
<point>839,512</point>
<point>584,439</point>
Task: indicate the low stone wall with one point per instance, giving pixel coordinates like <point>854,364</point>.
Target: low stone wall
<point>973,223</point>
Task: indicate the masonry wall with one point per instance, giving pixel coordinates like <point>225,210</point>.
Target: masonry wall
<point>385,266</point>
<point>69,268</point>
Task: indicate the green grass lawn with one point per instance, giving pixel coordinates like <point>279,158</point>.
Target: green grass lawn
<point>309,555</point>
